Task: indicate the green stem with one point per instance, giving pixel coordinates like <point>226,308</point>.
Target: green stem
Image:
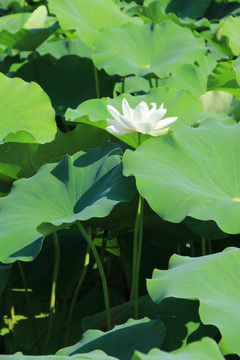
<point>96,81</point>
<point>123,84</point>
<point>37,340</point>
<point>135,254</point>
<point>29,305</point>
<point>210,246</point>
<point>203,240</point>
<point>150,82</point>
<point>75,296</point>
<point>156,82</point>
<point>139,254</point>
<point>53,293</point>
<point>192,248</point>
<point>101,272</point>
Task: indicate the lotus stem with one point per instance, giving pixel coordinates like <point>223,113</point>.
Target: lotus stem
<point>204,250</point>
<point>139,254</point>
<point>53,292</point>
<point>150,82</point>
<point>101,272</point>
<point>123,84</point>
<point>76,292</point>
<point>96,81</point>
<point>29,305</point>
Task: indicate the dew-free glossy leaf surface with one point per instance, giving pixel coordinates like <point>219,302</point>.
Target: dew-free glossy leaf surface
<point>88,17</point>
<point>206,349</point>
<point>175,313</point>
<point>26,31</point>
<point>223,78</point>
<point>221,101</point>
<point>143,49</point>
<point>26,112</point>
<point>94,112</point>
<point>122,340</point>
<point>231,28</point>
<point>94,355</point>
<point>193,77</point>
<point>68,82</point>
<point>183,8</point>
<point>85,185</point>
<point>18,160</point>
<point>191,173</point>
<point>214,280</point>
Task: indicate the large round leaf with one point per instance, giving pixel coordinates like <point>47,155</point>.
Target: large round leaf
<point>94,112</point>
<point>193,77</point>
<point>26,112</point>
<point>94,355</point>
<point>224,78</point>
<point>214,280</point>
<point>88,17</point>
<point>18,160</point>
<point>176,314</point>
<point>231,28</point>
<point>68,82</point>
<point>193,172</point>
<point>206,349</point>
<point>26,31</point>
<point>122,340</point>
<point>183,8</point>
<point>88,184</point>
<point>143,49</point>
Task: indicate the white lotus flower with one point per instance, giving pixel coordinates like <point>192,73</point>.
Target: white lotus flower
<point>139,120</point>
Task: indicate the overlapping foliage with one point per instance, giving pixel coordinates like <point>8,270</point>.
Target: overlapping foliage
<point>71,224</point>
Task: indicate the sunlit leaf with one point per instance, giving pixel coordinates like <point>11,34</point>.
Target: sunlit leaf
<point>198,278</point>
<point>88,17</point>
<point>191,173</point>
<point>26,31</point>
<point>85,185</point>
<point>94,112</point>
<point>122,340</point>
<point>206,349</point>
<point>143,49</point>
<point>26,112</point>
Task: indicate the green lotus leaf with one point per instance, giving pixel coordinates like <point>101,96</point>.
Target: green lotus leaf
<point>198,278</point>
<point>94,355</point>
<point>176,314</point>
<point>221,101</point>
<point>60,48</point>
<point>26,112</point>
<point>156,12</point>
<point>88,18</point>
<point>219,43</point>
<point>191,173</point>
<point>68,82</point>
<point>206,349</point>
<point>19,160</point>
<point>182,8</point>
<point>144,49</point>
<point>26,31</point>
<point>192,77</point>
<point>207,229</point>
<point>132,84</point>
<point>94,112</point>
<point>230,29</point>
<point>122,340</point>
<point>236,68</point>
<point>223,78</point>
<point>85,185</point>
